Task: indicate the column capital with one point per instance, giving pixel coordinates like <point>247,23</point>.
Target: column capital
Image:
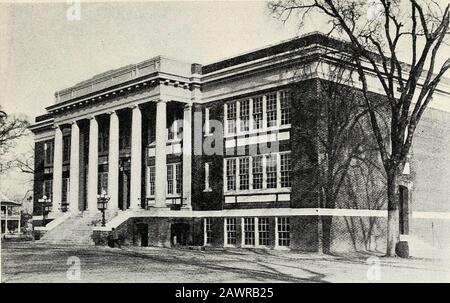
<point>74,122</point>
<point>162,101</point>
<point>187,106</point>
<point>92,117</point>
<point>113,112</point>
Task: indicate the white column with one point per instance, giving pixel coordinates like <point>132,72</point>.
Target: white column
<point>113,161</point>
<point>18,222</point>
<point>92,178</point>
<point>187,156</point>
<point>57,170</point>
<point>74,167</point>
<point>136,151</point>
<point>160,155</point>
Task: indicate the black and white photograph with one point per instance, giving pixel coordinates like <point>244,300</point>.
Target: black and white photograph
<point>200,143</point>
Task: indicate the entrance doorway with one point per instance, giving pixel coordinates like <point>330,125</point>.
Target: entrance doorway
<point>142,233</point>
<point>179,234</point>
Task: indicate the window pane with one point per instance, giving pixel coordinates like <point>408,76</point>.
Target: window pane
<point>231,174</point>
<point>244,115</point>
<point>271,170</point>
<point>249,231</point>
<point>271,108</point>
<point>257,112</point>
<point>170,179</point>
<point>285,103</point>
<point>231,117</point>
<point>244,173</point>
<point>257,172</point>
<point>284,231</point>
<point>152,180</point>
<point>208,230</point>
<point>285,169</point>
<point>231,231</point>
<point>263,231</point>
<point>179,177</point>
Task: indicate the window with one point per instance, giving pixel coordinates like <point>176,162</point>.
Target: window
<point>169,179</point>
<point>244,114</point>
<point>48,153</point>
<point>178,178</point>
<point>231,174</point>
<point>207,181</point>
<point>231,231</point>
<point>102,182</point>
<point>231,117</point>
<point>263,231</point>
<point>285,107</point>
<point>66,148</point>
<point>257,112</point>
<point>47,189</point>
<point>271,107</point>
<point>208,231</point>
<point>285,169</point>
<point>284,234</point>
<point>249,231</point>
<point>257,172</point>
<point>271,170</point>
<point>174,178</point>
<point>244,173</point>
<point>151,179</point>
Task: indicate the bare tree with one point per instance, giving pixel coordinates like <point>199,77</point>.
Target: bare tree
<point>375,41</point>
<point>12,128</point>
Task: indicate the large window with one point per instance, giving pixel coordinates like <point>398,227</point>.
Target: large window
<point>174,178</point>
<point>244,173</point>
<point>268,171</point>
<point>208,231</point>
<point>174,181</point>
<point>249,231</point>
<point>284,231</point>
<point>231,117</point>
<point>271,106</point>
<point>257,112</point>
<point>271,171</point>
<point>285,106</point>
<point>231,174</point>
<point>103,141</point>
<point>231,231</point>
<point>285,169</point>
<point>244,115</point>
<point>263,231</point>
<point>65,191</point>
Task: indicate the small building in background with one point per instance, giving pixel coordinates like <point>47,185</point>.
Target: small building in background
<point>10,216</point>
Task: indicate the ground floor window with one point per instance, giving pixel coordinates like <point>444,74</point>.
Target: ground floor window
<point>208,231</point>
<point>249,231</point>
<point>284,231</point>
<point>230,228</point>
<point>47,189</point>
<point>263,231</point>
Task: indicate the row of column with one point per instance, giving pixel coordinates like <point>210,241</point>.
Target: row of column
<point>113,161</point>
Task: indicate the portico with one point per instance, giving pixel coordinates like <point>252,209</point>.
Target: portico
<point>117,135</point>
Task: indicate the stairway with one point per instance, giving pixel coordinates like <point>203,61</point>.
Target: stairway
<point>76,230</point>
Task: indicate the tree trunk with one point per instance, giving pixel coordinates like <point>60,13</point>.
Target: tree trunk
<point>393,214</point>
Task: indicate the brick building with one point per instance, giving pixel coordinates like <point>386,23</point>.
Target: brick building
<point>222,155</point>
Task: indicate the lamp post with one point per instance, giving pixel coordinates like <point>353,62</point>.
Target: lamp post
<point>102,202</point>
<point>46,206</point>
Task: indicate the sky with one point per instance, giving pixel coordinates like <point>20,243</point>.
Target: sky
<point>43,51</point>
